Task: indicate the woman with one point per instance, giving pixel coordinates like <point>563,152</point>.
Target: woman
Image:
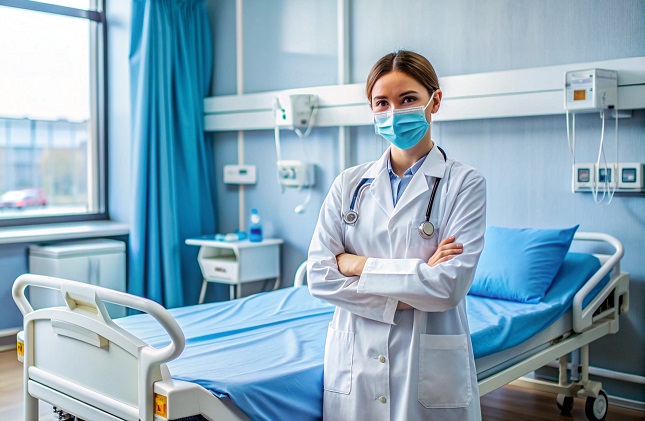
<point>398,347</point>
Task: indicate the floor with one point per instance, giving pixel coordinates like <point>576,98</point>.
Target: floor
<point>506,404</point>
<point>514,403</point>
<point>11,390</point>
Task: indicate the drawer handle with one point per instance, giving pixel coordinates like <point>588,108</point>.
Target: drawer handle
<point>220,270</point>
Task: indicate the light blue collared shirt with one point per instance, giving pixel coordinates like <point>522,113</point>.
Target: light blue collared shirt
<point>399,184</point>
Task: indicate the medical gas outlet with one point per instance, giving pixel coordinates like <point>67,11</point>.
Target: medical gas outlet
<point>630,177</point>
<point>296,174</point>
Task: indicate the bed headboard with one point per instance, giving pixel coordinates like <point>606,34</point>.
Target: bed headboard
<point>583,316</point>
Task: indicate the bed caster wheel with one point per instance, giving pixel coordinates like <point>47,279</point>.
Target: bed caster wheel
<point>596,408</point>
<point>565,404</point>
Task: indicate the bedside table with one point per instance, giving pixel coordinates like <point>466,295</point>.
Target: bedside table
<point>237,262</point>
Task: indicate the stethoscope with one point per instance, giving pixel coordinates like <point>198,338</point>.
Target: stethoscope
<point>426,228</point>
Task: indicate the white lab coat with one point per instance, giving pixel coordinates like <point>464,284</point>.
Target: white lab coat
<point>383,364</point>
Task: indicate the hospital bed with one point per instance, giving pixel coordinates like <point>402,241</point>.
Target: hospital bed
<point>261,357</point>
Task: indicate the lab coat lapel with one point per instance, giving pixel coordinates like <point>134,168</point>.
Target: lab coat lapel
<point>418,186</point>
<point>434,166</point>
<point>380,190</point>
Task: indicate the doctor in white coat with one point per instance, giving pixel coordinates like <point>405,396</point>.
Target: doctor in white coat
<point>398,347</point>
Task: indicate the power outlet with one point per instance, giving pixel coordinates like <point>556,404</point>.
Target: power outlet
<point>240,174</point>
<point>295,173</point>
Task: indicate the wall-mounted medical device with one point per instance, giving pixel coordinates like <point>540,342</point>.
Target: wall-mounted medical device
<point>298,113</point>
<point>586,91</point>
<point>295,111</point>
<point>627,177</point>
<point>240,174</point>
<point>591,90</point>
<point>296,174</point>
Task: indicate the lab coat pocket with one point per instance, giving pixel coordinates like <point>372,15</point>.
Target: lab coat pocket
<point>417,246</point>
<point>339,357</point>
<point>444,371</point>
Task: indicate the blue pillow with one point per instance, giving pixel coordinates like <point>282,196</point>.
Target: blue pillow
<point>520,264</point>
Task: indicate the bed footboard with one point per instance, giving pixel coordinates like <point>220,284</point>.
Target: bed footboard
<point>76,356</point>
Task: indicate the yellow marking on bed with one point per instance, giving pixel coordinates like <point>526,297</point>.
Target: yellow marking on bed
<point>161,405</point>
<point>20,349</point>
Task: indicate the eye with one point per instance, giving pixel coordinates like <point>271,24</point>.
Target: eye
<point>380,105</point>
<point>409,99</point>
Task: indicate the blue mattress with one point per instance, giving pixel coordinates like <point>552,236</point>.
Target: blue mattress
<point>265,352</point>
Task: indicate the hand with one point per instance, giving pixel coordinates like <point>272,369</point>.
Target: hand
<point>447,250</point>
<point>404,306</point>
<point>350,264</point>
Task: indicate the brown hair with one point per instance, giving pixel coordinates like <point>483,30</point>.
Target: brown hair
<point>408,62</point>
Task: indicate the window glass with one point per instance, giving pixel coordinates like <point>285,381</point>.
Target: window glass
<point>48,114</point>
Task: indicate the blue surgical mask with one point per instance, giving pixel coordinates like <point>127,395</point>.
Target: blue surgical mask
<point>404,127</point>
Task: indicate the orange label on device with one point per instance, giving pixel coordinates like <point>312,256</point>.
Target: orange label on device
<point>161,405</point>
<point>579,95</point>
<point>20,348</point>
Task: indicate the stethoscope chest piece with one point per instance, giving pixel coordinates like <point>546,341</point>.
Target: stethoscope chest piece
<point>426,230</point>
<point>350,217</point>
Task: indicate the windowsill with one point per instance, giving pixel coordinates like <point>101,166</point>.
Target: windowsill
<point>63,231</point>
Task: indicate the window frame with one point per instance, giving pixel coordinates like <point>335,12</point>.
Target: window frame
<point>97,133</point>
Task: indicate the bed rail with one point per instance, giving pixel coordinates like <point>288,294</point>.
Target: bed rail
<point>89,299</point>
<point>618,284</point>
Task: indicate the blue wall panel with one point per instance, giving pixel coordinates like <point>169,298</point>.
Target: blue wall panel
<point>289,44</point>
<point>470,36</point>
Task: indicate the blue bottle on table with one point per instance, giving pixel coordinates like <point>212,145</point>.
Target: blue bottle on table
<point>255,229</point>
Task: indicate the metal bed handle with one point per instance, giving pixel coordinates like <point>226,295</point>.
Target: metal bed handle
<point>612,263</point>
<point>301,273</point>
<point>94,296</point>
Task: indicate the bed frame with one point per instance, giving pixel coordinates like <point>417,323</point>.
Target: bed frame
<point>70,353</point>
<point>598,318</point>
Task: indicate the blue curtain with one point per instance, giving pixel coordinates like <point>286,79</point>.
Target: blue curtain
<point>173,176</point>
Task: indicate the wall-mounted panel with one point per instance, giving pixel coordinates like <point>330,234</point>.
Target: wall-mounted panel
<point>514,93</point>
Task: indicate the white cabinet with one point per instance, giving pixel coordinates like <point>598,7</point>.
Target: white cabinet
<point>237,262</point>
<point>96,262</point>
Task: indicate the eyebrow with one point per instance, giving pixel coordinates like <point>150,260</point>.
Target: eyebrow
<point>401,95</point>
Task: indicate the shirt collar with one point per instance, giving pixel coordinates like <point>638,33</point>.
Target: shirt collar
<point>410,171</point>
<point>433,165</point>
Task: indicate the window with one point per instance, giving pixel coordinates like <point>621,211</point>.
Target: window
<point>52,148</point>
